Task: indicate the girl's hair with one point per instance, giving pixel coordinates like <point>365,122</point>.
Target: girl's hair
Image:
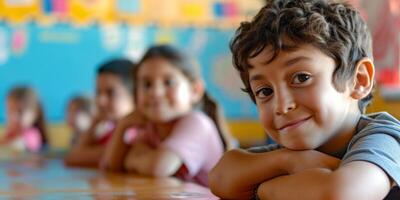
<point>191,70</point>
<point>28,98</point>
<point>120,67</point>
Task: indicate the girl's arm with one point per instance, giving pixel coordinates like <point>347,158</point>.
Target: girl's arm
<point>158,162</point>
<point>355,180</point>
<point>238,174</point>
<point>117,149</point>
<point>11,132</point>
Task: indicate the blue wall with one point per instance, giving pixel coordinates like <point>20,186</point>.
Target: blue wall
<point>60,60</point>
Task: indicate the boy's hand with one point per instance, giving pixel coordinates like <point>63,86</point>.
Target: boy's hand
<point>238,173</point>
<point>298,161</point>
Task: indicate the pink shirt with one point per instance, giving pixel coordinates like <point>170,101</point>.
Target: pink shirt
<point>32,139</point>
<point>195,139</point>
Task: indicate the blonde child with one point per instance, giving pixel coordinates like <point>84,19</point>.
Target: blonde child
<point>307,64</point>
<point>169,136</point>
<point>113,101</point>
<point>79,116</point>
<point>26,126</point>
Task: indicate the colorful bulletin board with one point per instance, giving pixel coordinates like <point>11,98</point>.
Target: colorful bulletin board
<point>56,45</point>
<point>171,12</point>
<point>60,60</point>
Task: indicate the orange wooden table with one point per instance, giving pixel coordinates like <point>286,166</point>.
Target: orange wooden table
<point>36,178</point>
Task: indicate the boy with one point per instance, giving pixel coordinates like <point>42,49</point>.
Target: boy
<point>114,101</point>
<point>307,64</point>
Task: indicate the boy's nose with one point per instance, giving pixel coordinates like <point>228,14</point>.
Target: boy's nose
<point>157,91</point>
<point>102,100</point>
<point>284,102</point>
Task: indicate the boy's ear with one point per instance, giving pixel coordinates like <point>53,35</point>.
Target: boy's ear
<point>197,91</point>
<point>363,78</point>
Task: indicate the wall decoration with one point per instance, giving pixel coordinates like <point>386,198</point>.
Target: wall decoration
<point>194,11</point>
<point>128,6</point>
<point>4,49</point>
<point>136,12</point>
<point>19,41</point>
<point>111,36</point>
<point>19,11</point>
<point>89,11</point>
<point>136,43</point>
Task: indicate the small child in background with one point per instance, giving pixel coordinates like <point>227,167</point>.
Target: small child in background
<point>166,135</point>
<point>25,128</point>
<point>114,100</point>
<point>308,66</point>
<point>79,116</point>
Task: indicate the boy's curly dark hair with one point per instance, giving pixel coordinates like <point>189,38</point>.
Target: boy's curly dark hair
<point>336,29</point>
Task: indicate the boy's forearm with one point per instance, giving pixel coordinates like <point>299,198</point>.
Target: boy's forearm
<point>309,184</point>
<point>355,180</point>
<point>239,172</point>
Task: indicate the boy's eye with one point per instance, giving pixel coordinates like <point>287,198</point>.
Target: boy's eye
<point>146,84</point>
<point>300,78</point>
<point>264,92</point>
<point>110,93</point>
<point>169,82</point>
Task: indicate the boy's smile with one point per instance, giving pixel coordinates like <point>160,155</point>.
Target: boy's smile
<point>298,104</point>
<point>293,124</point>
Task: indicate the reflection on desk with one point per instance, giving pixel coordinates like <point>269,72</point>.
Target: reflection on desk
<point>37,178</point>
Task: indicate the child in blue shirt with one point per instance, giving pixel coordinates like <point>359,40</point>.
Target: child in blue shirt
<point>308,66</point>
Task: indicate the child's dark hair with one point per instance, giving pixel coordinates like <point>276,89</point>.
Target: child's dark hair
<point>83,103</point>
<point>336,29</point>
<point>28,97</point>
<point>120,67</point>
<point>191,70</point>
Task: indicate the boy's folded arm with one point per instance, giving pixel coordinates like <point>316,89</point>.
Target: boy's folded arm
<point>238,173</point>
<point>355,180</point>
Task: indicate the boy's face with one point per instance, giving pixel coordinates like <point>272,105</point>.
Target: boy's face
<point>297,102</point>
<point>113,98</point>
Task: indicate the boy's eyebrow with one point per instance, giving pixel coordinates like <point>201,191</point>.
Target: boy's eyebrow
<point>288,63</point>
<point>256,77</point>
<point>296,60</point>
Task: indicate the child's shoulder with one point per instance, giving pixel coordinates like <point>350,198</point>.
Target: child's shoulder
<point>381,123</point>
<point>379,120</point>
<point>197,116</point>
<point>197,119</point>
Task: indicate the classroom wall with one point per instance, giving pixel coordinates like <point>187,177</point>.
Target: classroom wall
<point>60,61</point>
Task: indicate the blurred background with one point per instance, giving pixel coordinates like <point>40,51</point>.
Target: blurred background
<point>56,46</point>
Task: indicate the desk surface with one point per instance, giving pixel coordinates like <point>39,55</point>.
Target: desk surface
<point>36,178</point>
